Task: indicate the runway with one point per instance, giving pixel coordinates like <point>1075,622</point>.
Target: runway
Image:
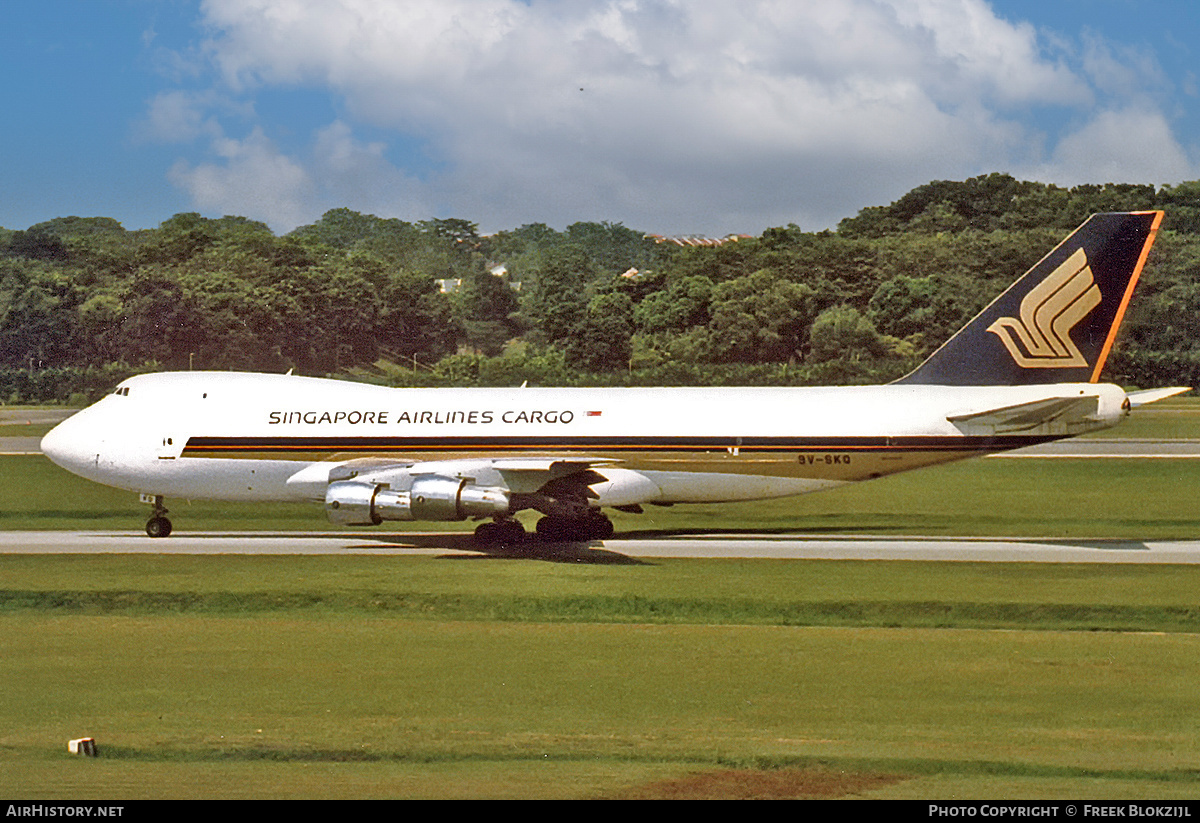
<point>630,548</point>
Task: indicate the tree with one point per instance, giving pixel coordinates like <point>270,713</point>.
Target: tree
<point>847,348</point>
<point>1182,205</point>
<point>556,300</point>
<point>455,230</point>
<point>415,319</point>
<point>38,243</point>
<point>842,332</point>
<point>601,342</point>
<point>904,305</point>
<point>685,302</point>
<point>760,319</point>
<point>177,239</point>
<point>611,247</point>
<point>37,315</point>
<point>488,310</point>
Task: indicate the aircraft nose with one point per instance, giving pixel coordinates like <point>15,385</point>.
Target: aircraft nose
<point>65,448</point>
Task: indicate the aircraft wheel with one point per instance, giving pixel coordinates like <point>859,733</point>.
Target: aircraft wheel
<point>511,531</point>
<point>503,533</point>
<point>599,527</point>
<point>556,528</point>
<point>158,527</point>
<point>592,526</point>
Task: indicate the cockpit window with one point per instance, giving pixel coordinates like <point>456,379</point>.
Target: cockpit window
<point>122,391</point>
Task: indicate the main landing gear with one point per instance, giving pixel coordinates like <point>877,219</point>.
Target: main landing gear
<point>158,525</point>
<point>500,533</point>
<point>593,525</point>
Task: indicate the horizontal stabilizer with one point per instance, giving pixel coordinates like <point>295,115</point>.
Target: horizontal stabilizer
<point>1054,415</point>
<point>1141,398</point>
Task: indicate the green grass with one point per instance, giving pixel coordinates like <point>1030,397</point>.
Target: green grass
<point>36,494</point>
<point>1085,499</point>
<point>24,429</point>
<point>444,677</point>
<point>452,677</point>
<point>1056,597</point>
<point>295,703</point>
<point>1134,499</point>
<point>1175,419</point>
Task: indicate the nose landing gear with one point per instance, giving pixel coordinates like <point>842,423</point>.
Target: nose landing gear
<point>158,525</point>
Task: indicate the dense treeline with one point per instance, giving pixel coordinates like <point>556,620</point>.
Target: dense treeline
<point>84,302</point>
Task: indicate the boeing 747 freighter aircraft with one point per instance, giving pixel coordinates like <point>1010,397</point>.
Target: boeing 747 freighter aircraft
<point>1024,371</point>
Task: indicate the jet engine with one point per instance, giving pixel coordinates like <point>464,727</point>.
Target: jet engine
<point>429,497</point>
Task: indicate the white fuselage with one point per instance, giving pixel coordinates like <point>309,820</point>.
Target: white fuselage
<point>236,436</point>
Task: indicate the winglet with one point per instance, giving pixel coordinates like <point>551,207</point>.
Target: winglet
<point>1058,322</point>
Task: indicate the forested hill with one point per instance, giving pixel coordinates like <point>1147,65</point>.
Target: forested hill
<point>83,302</point>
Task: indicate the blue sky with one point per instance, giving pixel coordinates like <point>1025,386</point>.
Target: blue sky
<point>696,116</point>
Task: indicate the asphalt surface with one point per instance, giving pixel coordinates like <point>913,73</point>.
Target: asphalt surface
<point>20,445</point>
<point>33,416</point>
<point>620,549</point>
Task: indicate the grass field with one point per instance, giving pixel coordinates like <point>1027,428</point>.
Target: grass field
<point>1175,418</point>
<point>1139,499</point>
<point>445,677</point>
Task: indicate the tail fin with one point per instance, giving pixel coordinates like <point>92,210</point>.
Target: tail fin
<point>1057,323</point>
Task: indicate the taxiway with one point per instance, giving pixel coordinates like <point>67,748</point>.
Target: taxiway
<point>629,548</point>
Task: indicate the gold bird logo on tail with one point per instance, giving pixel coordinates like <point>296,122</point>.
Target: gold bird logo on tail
<point>1048,314</point>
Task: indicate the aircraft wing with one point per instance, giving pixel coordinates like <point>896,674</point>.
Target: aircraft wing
<point>1054,415</point>
<point>532,474</point>
<point>518,475</point>
<point>370,490</point>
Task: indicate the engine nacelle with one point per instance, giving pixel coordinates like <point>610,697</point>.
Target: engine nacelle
<point>429,497</point>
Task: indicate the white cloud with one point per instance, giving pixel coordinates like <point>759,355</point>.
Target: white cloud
<point>667,115</point>
<point>1118,69</point>
<point>973,51</point>
<point>253,179</point>
<point>179,117</point>
<point>1126,146</point>
<point>350,171</point>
